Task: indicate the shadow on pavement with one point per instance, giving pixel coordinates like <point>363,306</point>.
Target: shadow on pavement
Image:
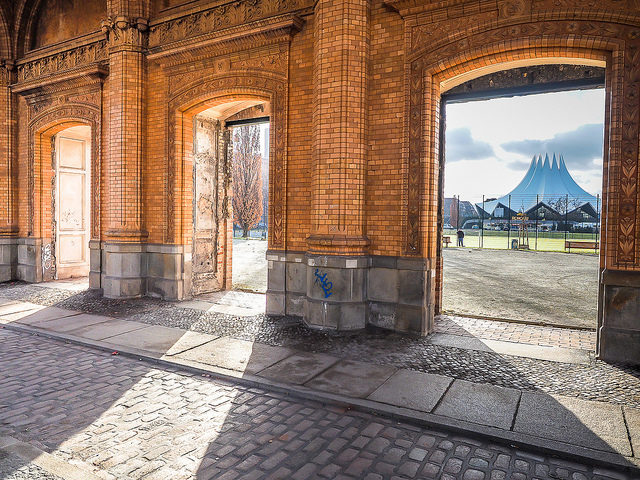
<point>44,403</point>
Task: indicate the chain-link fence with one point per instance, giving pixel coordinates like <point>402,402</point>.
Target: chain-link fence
<point>543,222</point>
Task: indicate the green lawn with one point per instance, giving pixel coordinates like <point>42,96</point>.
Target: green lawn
<point>547,241</point>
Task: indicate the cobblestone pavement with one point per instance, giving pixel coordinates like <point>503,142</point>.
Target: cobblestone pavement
<point>127,420</point>
<point>14,468</point>
<point>596,381</point>
<point>516,332</point>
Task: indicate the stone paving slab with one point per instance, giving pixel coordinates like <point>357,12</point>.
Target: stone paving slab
<point>239,355</point>
<point>632,417</point>
<point>188,341</point>
<point>411,389</point>
<point>106,329</point>
<point>299,367</point>
<point>152,338</point>
<point>10,312</point>
<point>353,379</point>
<point>573,421</point>
<point>552,354</point>
<point>45,315</point>
<point>480,403</point>
<point>67,324</point>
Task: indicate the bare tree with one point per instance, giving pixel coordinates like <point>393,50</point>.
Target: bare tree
<point>247,177</point>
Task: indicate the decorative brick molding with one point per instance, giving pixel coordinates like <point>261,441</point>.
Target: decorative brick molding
<point>208,22</point>
<point>505,41</point>
<point>63,61</point>
<point>270,88</point>
<point>8,220</point>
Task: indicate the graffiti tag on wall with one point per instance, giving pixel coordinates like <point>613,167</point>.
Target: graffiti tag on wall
<point>325,284</point>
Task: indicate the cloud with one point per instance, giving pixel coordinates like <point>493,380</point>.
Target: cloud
<point>460,145</point>
<point>518,165</point>
<point>580,147</point>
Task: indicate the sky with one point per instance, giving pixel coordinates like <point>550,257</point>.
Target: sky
<point>489,144</point>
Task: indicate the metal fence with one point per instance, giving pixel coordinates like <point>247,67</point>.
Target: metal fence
<point>542,222</point>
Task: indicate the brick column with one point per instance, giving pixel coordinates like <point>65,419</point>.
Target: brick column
<point>125,265</point>
<point>8,219</point>
<point>338,241</point>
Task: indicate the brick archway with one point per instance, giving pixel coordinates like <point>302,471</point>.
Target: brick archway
<point>195,98</point>
<point>42,129</point>
<point>183,107</point>
<point>431,71</point>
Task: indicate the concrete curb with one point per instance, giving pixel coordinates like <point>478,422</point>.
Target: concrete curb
<point>513,439</point>
<point>52,464</point>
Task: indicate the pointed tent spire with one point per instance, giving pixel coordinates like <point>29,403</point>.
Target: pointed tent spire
<point>545,181</point>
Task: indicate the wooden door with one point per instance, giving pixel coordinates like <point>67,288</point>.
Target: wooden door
<point>72,207</point>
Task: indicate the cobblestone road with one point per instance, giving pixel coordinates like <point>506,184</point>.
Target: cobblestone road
<point>127,420</point>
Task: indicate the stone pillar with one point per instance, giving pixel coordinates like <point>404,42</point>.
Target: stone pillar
<point>619,332</point>
<point>8,218</point>
<point>124,260</point>
<point>338,243</point>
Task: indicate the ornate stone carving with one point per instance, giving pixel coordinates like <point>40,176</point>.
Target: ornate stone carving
<point>274,62</point>
<point>40,103</point>
<point>81,56</point>
<point>6,69</point>
<point>628,195</point>
<point>247,84</point>
<point>220,17</point>
<point>218,66</point>
<point>125,32</point>
<point>90,115</point>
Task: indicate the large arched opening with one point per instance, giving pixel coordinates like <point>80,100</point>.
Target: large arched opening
<point>433,73</point>
<point>204,132</point>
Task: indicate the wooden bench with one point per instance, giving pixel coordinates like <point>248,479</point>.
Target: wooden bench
<point>446,241</point>
<point>569,244</point>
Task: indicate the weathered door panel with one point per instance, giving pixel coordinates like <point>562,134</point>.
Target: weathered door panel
<point>71,207</point>
<point>208,219</point>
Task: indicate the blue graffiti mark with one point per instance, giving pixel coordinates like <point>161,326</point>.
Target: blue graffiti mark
<point>324,283</point>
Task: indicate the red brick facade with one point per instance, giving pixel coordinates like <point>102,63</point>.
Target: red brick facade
<point>354,89</point>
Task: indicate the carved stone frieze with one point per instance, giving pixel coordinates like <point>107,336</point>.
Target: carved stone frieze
<point>276,62</point>
<point>227,85</point>
<point>6,73</point>
<point>38,104</point>
<point>220,17</point>
<point>79,57</point>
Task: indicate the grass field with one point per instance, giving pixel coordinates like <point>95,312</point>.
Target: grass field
<point>546,242</point>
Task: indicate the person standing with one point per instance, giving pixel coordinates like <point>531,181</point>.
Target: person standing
<point>460,234</point>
